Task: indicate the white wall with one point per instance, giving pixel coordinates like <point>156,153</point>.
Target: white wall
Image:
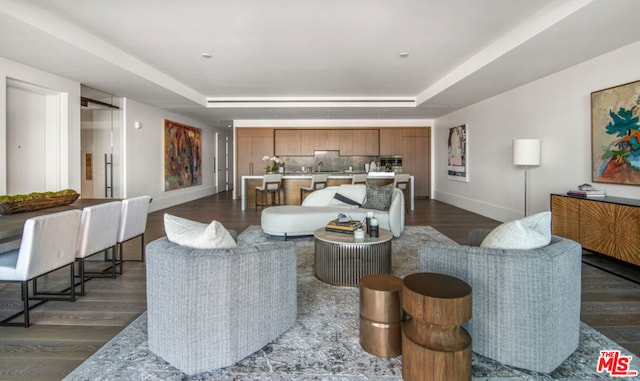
<point>555,109</point>
<point>69,120</point>
<point>144,156</point>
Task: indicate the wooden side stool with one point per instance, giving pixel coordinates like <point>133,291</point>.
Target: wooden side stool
<point>381,315</point>
<point>434,345</point>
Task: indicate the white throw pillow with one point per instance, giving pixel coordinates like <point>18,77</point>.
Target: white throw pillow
<point>196,234</point>
<point>349,196</point>
<point>530,232</point>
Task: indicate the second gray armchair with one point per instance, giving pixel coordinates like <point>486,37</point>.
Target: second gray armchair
<point>526,303</point>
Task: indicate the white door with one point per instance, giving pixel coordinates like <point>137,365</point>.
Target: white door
<point>33,129</point>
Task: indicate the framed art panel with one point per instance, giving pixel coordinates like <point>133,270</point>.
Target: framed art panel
<point>615,134</point>
<point>182,155</point>
<point>457,160</point>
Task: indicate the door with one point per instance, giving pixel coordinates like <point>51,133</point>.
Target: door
<point>33,144</point>
<point>101,131</point>
<point>222,163</point>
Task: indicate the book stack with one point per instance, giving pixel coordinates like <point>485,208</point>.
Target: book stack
<point>587,193</point>
<point>346,227</point>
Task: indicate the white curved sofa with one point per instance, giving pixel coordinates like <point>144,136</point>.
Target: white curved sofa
<point>316,211</point>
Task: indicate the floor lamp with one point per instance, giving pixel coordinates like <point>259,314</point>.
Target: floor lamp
<point>526,152</point>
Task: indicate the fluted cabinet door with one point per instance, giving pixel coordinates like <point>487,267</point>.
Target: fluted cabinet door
<point>566,215</point>
<point>611,229</point>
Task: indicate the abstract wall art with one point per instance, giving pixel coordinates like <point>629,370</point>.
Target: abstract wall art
<point>615,134</point>
<point>182,155</point>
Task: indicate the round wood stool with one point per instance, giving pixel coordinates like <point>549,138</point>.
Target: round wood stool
<point>381,315</point>
<point>434,346</point>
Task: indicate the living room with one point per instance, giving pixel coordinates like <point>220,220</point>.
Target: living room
<point>552,106</point>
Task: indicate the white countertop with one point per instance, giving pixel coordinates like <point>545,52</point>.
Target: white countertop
<point>332,175</point>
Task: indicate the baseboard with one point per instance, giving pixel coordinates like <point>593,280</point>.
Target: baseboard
<point>493,211</point>
<point>179,196</point>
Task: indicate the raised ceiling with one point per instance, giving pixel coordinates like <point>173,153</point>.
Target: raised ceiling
<point>311,59</point>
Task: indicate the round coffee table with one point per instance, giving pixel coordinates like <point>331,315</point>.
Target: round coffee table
<point>341,260</point>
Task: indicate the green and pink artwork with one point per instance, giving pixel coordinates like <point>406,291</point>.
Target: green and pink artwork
<point>457,168</point>
<point>615,134</point>
<point>182,155</point>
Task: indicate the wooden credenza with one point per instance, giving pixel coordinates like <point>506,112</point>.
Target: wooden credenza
<point>608,225</point>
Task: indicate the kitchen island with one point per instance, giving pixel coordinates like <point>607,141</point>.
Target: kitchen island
<point>291,183</point>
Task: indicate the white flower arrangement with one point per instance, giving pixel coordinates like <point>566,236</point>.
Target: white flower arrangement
<point>272,163</point>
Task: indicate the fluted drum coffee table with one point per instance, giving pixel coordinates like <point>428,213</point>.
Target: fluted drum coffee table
<point>341,260</point>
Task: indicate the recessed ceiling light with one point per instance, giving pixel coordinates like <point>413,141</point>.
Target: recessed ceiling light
<point>404,54</point>
<point>206,55</point>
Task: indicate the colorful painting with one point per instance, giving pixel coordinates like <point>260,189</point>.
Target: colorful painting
<point>182,155</point>
<point>457,154</point>
<point>615,134</point>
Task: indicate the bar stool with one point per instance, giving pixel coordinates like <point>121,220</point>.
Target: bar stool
<point>359,179</point>
<point>401,181</point>
<point>271,184</point>
<point>317,182</point>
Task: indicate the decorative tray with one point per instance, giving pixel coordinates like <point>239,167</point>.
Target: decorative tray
<point>36,201</point>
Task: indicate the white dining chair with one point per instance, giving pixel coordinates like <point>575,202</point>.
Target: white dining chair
<point>98,232</point>
<point>133,223</point>
<point>49,243</point>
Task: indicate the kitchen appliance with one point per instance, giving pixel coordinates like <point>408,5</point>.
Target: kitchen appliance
<point>391,163</point>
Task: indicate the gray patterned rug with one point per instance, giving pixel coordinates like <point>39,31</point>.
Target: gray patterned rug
<point>324,343</point>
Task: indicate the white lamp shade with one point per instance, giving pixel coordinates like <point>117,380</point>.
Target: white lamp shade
<point>526,152</point>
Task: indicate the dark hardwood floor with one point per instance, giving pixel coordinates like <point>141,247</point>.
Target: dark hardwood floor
<point>64,334</point>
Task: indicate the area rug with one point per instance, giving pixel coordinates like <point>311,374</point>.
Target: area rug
<point>324,343</point>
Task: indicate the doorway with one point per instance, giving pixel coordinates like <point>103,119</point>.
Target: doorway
<point>34,158</point>
<point>100,136</point>
<point>222,163</point>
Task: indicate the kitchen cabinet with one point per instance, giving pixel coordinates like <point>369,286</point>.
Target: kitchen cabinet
<point>252,144</point>
<point>366,142</point>
<point>303,142</point>
<point>359,142</point>
<point>293,142</point>
<point>608,225</point>
<point>345,142</point>
<point>391,141</point>
<point>416,155</point>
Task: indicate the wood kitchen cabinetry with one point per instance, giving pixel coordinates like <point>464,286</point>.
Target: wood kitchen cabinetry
<point>252,144</point>
<point>414,145</point>
<point>303,142</point>
<point>391,141</point>
<point>294,142</point>
<point>609,226</point>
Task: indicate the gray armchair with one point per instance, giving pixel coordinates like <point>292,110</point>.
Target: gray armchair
<point>526,303</point>
<point>208,309</point>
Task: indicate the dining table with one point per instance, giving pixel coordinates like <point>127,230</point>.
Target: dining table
<point>11,225</point>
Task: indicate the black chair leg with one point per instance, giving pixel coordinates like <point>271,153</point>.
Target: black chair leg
<point>120,249</point>
<point>72,271</point>
<point>81,272</point>
<point>142,254</point>
<point>25,297</point>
